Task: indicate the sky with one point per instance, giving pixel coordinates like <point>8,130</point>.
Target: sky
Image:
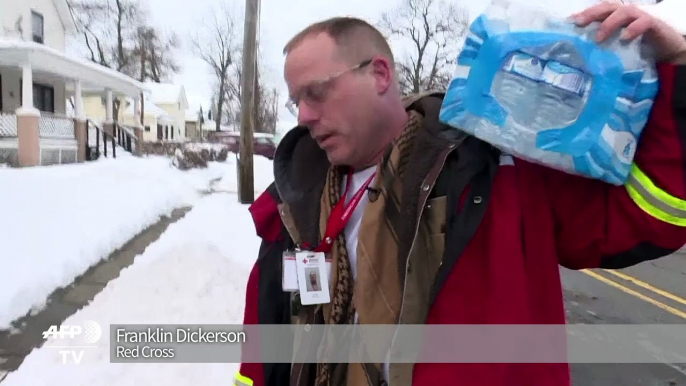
<point>279,21</point>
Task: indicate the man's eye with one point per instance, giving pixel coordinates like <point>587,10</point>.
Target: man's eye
<point>316,93</point>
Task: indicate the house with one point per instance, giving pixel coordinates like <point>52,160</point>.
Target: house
<point>36,80</point>
<point>164,109</point>
<point>158,124</point>
<point>193,123</point>
<point>172,99</point>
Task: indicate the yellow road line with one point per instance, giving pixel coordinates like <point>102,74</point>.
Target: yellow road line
<point>636,294</point>
<point>648,286</point>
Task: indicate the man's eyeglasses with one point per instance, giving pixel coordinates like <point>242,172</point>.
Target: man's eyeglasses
<point>315,92</point>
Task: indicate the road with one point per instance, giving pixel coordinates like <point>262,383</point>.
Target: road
<point>649,293</point>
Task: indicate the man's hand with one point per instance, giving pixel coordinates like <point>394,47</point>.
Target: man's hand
<point>669,45</point>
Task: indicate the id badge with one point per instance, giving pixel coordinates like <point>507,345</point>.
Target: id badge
<point>312,278</point>
<point>289,281</point>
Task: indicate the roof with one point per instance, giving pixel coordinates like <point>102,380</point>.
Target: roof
<point>15,52</point>
<point>191,116</point>
<point>64,10</point>
<point>149,108</point>
<point>166,93</point>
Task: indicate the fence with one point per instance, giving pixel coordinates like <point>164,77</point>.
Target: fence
<point>55,126</point>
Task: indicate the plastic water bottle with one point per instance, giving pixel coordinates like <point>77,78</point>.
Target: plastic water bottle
<point>542,89</point>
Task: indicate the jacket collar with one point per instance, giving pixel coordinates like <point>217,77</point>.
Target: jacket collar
<point>301,166</point>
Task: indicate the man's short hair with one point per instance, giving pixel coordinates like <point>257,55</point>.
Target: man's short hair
<point>353,36</point>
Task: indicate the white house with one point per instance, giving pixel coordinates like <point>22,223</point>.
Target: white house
<point>164,111</point>
<point>37,78</point>
<point>158,124</point>
<point>172,99</point>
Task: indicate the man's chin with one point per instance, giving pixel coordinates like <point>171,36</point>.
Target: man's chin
<point>338,157</point>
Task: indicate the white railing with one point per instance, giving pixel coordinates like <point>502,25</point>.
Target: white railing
<point>8,125</point>
<point>55,126</point>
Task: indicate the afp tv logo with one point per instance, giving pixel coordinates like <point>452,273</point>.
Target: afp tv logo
<point>70,340</point>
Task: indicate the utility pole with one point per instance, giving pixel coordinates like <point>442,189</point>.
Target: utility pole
<point>246,190</point>
<point>143,59</point>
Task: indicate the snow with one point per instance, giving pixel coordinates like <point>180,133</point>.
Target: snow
<point>196,273</point>
<point>164,93</point>
<point>150,109</point>
<point>263,175</point>
<point>210,146</point>
<point>60,220</point>
<point>14,43</point>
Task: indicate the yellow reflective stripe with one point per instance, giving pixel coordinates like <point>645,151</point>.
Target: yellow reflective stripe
<point>654,200</point>
<point>242,380</point>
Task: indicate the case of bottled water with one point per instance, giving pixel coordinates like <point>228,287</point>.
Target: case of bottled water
<point>538,87</point>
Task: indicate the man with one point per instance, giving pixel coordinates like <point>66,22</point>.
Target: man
<point>450,231</point>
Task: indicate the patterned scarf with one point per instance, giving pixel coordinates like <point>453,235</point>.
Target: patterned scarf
<point>377,294</point>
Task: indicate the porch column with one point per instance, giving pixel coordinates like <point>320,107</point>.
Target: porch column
<point>137,126</point>
<point>109,119</point>
<point>80,124</point>
<point>28,137</point>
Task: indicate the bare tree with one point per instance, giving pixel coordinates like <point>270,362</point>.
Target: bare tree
<point>433,28</point>
<point>153,55</point>
<point>267,110</point>
<point>218,46</point>
<point>265,99</point>
<point>114,34</point>
<point>107,30</point>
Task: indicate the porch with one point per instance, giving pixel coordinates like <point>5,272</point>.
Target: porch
<point>39,127</point>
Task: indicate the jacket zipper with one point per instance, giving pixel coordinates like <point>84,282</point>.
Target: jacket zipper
<point>414,238</point>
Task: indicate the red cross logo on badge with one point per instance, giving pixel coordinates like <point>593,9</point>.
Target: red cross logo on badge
<point>305,261</point>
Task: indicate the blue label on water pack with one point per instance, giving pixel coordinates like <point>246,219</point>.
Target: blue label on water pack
<point>551,72</point>
<point>525,65</point>
<point>565,77</point>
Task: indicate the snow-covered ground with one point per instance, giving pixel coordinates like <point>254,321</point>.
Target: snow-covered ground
<point>60,220</point>
<point>194,274</point>
<point>262,170</point>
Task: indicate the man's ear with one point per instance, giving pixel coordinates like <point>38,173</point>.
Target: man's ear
<point>383,71</point>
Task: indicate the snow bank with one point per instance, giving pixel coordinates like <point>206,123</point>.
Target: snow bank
<point>195,273</point>
<point>199,146</point>
<point>60,220</point>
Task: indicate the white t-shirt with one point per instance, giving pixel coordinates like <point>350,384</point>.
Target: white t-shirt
<point>353,226</point>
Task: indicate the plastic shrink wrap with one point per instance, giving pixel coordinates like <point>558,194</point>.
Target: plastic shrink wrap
<point>538,87</point>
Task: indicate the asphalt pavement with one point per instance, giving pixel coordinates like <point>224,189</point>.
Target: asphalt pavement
<point>649,293</point>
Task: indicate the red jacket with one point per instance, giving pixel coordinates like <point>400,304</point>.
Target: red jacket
<point>537,219</point>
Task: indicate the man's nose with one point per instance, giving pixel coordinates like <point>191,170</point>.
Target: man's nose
<point>306,114</point>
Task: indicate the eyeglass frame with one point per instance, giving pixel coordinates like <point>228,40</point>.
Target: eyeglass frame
<point>293,103</point>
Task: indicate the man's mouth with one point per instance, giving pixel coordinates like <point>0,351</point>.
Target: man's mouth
<point>322,139</point>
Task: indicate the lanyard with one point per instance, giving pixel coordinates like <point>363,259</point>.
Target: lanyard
<point>341,213</point>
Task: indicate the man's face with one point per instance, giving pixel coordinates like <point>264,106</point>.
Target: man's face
<point>339,112</point>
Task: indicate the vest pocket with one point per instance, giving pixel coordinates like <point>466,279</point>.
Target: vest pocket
<point>436,248</point>
<point>435,215</point>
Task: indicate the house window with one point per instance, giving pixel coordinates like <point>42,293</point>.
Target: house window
<point>147,128</point>
<point>44,98</point>
<point>37,27</point>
